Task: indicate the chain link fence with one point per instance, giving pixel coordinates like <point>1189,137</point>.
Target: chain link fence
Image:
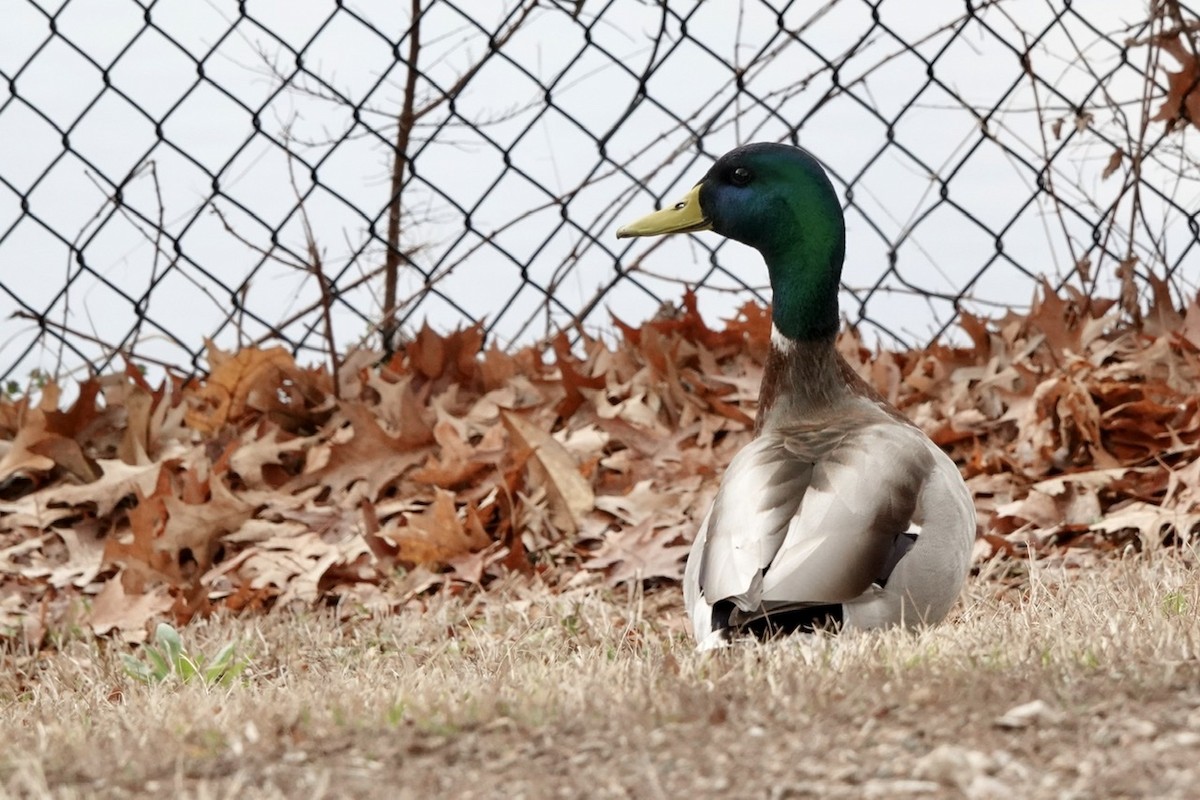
<point>324,173</point>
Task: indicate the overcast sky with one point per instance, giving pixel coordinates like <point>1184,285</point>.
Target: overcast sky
<point>106,100</point>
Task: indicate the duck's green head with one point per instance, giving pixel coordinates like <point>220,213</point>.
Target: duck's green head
<point>777,199</point>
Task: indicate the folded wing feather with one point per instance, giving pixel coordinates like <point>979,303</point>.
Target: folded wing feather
<point>811,514</point>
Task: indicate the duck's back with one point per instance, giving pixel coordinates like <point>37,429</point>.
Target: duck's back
<point>854,508</point>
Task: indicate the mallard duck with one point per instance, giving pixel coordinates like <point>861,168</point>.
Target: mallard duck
<point>840,512</point>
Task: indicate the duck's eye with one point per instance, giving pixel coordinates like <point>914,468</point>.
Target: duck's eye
<point>740,176</point>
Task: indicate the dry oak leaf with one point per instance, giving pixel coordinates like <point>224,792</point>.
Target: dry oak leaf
<point>223,398</point>
<point>1183,87</point>
<point>454,464</point>
<point>259,458</point>
<point>85,557</point>
<point>640,552</point>
<point>135,445</point>
<point>571,496</point>
<point>38,448</point>
<point>1151,522</point>
<point>1072,506</point>
<point>195,529</point>
<point>174,540</point>
<point>264,536</point>
<point>1190,329</point>
<point>357,365</point>
<point>436,535</point>
<point>398,407</point>
<point>470,567</point>
<point>369,455</point>
<point>80,417</point>
<point>118,481</point>
<point>752,324</point>
<point>571,379</point>
<point>427,352</point>
<point>1114,162</point>
<point>1059,425</point>
<point>45,507</point>
<point>291,563</point>
<point>639,409</point>
<point>82,561</point>
<point>644,502</point>
<point>115,609</point>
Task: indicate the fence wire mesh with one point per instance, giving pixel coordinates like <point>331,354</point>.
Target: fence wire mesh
<point>321,173</point>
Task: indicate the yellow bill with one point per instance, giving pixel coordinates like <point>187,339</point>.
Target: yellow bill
<point>683,217</point>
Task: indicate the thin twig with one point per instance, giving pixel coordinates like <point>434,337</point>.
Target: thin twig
<point>393,255</point>
<point>316,267</point>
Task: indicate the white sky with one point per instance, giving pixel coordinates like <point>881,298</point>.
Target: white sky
<point>517,227</point>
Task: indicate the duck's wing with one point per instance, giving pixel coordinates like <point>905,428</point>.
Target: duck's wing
<point>922,586</point>
<point>813,513</point>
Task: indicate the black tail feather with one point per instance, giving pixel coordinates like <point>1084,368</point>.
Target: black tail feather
<point>782,622</point>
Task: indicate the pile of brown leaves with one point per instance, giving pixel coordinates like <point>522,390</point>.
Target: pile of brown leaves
<point>448,465</point>
<point>1072,429</point>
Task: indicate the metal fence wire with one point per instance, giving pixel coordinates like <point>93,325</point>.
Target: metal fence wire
<point>320,172</point>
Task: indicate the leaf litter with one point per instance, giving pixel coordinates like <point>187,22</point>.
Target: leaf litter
<point>448,465</point>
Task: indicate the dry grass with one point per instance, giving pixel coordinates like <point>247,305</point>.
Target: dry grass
<point>524,694</point>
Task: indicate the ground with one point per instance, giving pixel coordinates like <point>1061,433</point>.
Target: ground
<point>1052,682</point>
